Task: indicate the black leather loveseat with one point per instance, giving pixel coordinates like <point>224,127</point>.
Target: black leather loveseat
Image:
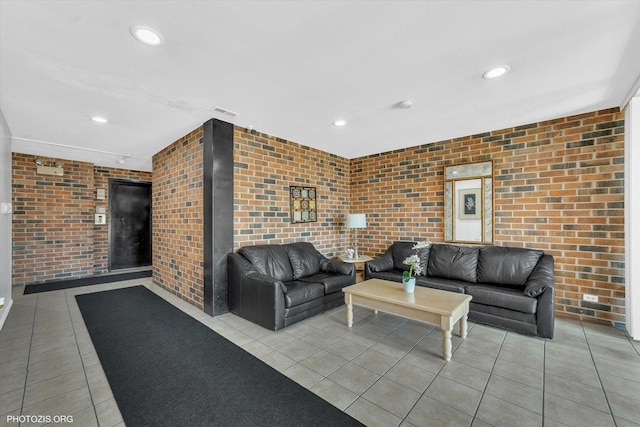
<point>512,288</point>
<point>278,285</point>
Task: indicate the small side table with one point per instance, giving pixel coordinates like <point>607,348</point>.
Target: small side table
<point>359,262</point>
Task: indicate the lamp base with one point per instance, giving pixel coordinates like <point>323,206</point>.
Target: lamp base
<point>356,255</point>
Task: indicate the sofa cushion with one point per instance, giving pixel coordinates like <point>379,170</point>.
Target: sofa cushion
<point>453,262</point>
<point>299,292</point>
<point>304,258</point>
<point>503,318</point>
<point>509,298</point>
<point>506,266</point>
<point>401,250</point>
<point>331,282</point>
<point>443,284</point>
<point>271,260</point>
<point>390,275</point>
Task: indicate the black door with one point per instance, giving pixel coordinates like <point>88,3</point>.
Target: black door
<point>129,224</point>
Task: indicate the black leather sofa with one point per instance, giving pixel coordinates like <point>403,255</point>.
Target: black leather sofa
<point>512,288</point>
<point>278,285</point>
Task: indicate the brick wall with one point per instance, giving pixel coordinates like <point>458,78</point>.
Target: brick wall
<point>558,187</point>
<point>265,167</point>
<point>178,218</point>
<point>54,237</point>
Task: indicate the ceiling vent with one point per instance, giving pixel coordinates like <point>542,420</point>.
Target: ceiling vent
<point>225,112</point>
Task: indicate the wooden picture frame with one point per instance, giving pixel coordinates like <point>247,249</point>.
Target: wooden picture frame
<point>468,227</point>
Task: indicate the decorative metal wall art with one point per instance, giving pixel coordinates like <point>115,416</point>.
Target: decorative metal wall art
<point>303,204</point>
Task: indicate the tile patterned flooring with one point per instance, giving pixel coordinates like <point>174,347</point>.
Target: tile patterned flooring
<point>385,371</point>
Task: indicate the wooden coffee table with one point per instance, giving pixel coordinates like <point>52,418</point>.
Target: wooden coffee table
<point>425,304</point>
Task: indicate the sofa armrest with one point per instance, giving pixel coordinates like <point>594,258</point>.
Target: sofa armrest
<point>545,315</point>
<point>339,267</point>
<point>541,278</point>
<point>257,279</point>
<point>384,263</point>
<point>254,296</point>
<point>263,301</point>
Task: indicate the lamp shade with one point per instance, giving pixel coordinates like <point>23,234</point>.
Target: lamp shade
<point>356,221</point>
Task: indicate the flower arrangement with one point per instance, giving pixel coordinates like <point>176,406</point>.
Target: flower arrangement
<point>414,261</point>
<point>350,252</point>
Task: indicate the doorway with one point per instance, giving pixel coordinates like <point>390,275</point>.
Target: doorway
<point>129,224</point>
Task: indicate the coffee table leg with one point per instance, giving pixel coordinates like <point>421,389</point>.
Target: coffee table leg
<point>446,325</point>
<point>463,326</point>
<point>446,345</point>
<point>347,299</point>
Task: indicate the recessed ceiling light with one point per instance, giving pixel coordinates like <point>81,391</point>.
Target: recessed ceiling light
<point>496,72</point>
<point>340,123</point>
<point>99,119</point>
<point>147,35</point>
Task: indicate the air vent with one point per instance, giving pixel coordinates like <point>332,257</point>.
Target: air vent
<point>225,112</point>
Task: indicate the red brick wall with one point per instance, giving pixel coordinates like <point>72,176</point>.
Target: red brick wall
<point>54,237</point>
<point>101,232</point>
<point>558,187</point>
<point>177,191</point>
<point>265,167</point>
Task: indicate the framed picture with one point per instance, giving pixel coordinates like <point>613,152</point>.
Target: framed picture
<point>470,203</point>
<point>303,204</point>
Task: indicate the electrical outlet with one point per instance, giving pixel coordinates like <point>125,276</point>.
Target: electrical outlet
<point>591,298</point>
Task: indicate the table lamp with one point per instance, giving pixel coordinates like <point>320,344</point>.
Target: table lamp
<point>356,221</point>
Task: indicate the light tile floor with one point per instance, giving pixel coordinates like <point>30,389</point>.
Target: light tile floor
<point>385,371</point>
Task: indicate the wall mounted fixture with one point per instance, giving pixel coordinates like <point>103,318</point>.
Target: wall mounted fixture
<point>6,208</point>
<point>56,169</point>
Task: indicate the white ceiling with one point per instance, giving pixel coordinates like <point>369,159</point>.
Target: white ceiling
<point>290,68</point>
